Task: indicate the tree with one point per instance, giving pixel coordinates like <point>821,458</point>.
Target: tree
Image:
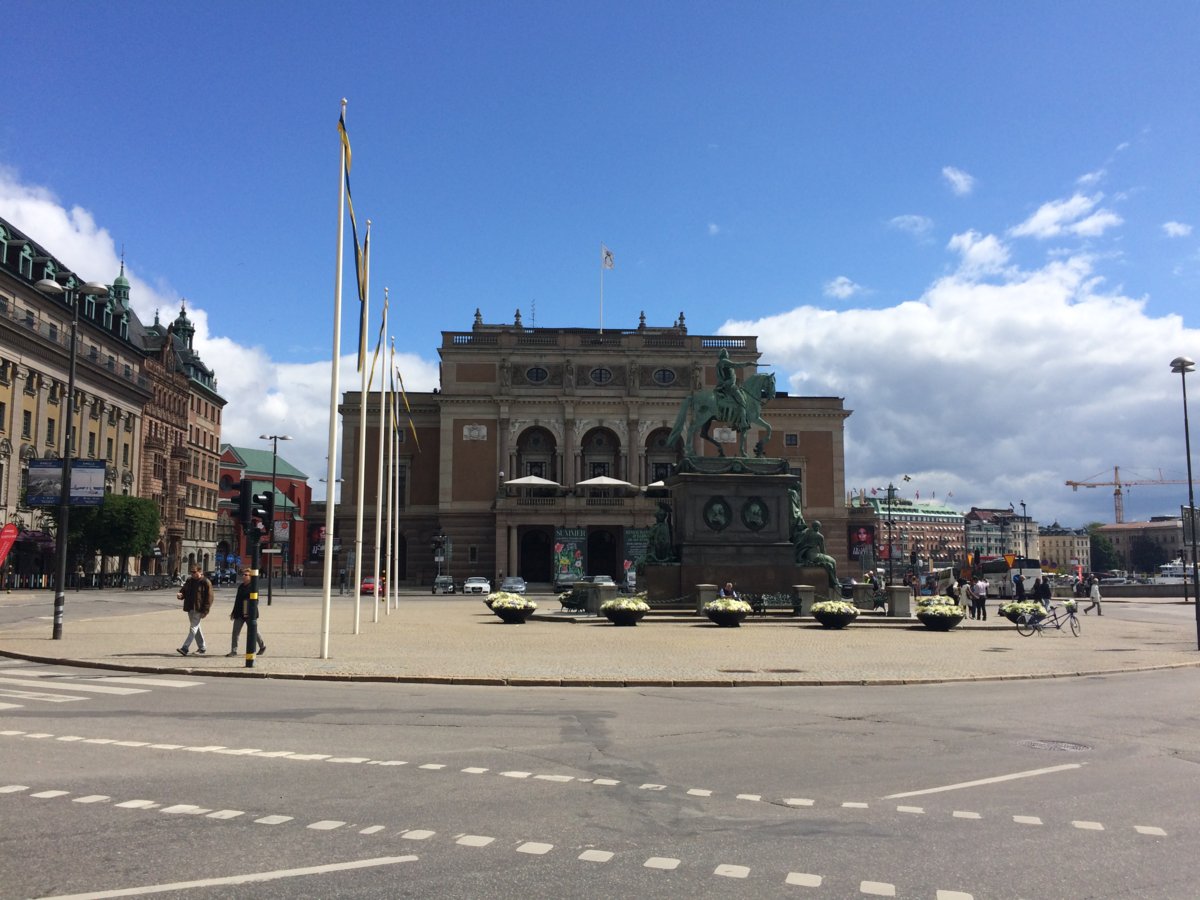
<point>1104,555</point>
<point>1146,555</point>
<point>126,526</point>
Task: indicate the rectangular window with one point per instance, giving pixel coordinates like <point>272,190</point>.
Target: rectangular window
<point>662,471</point>
<point>125,454</point>
<point>791,440</point>
<point>26,424</point>
<point>3,416</point>
<point>599,469</point>
<point>472,554</point>
<point>108,449</point>
<point>50,432</point>
<point>92,444</point>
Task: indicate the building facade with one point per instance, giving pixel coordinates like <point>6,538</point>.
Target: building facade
<point>1166,532</point>
<point>923,535</point>
<point>566,405</point>
<point>1001,532</point>
<point>293,499</point>
<point>1065,550</point>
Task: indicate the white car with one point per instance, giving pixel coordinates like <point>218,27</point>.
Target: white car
<point>477,584</point>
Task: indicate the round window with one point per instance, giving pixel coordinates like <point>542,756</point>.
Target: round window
<point>664,376</point>
<point>536,375</point>
<point>600,375</point>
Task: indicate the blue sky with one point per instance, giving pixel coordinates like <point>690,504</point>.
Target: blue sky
<point>975,224</point>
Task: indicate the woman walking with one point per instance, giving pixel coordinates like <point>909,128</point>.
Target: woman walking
<point>1094,596</point>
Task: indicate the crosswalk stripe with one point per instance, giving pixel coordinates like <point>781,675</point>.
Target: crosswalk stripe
<point>35,695</point>
<point>86,688</point>
<point>153,682</point>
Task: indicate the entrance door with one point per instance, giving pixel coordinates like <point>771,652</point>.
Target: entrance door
<point>602,553</point>
<point>537,555</point>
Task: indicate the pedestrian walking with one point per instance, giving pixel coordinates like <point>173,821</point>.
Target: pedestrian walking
<point>1094,596</point>
<point>1042,592</point>
<point>966,592</point>
<point>980,590</point>
<point>1019,586</point>
<point>243,611</point>
<point>342,581</point>
<point>197,597</point>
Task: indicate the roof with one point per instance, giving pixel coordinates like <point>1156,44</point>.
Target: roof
<point>258,462</point>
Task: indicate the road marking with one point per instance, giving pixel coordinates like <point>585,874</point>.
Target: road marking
<point>878,888</point>
<point>661,862</point>
<point>41,698</point>
<point>798,801</point>
<point>185,809</point>
<point>46,795</point>
<point>1088,826</point>
<point>754,797</point>
<point>1149,829</point>
<point>137,804</point>
<point>417,834</point>
<point>699,792</point>
<point>475,840</point>
<point>512,774</point>
<point>608,782</point>
<point>69,738</point>
<point>11,706</point>
<point>434,766</point>
<point>473,770</point>
<point>326,825</point>
<point>803,879</point>
<point>653,787</point>
<point>728,871</point>
<point>854,805</point>
<point>918,810</point>
<point>1027,820</point>
<point>962,814</point>
<point>561,779</point>
<point>595,856</point>
<point>272,820</point>
<point>92,798</point>
<point>225,814</point>
<point>349,759</point>
<point>13,788</point>
<point>995,780</point>
<point>86,688</point>
<point>239,879</point>
<point>153,682</point>
<point>535,848</point>
<point>953,895</point>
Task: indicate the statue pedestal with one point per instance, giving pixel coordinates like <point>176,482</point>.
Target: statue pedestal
<point>899,601</point>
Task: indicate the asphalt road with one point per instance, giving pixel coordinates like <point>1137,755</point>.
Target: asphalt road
<point>1068,788</point>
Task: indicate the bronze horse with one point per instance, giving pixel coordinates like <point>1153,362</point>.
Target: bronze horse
<point>705,407</point>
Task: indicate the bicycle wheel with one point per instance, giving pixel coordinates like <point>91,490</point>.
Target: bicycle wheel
<point>1074,626</point>
<point>1026,624</point>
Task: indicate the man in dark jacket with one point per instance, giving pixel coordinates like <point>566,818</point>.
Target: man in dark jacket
<point>243,611</point>
<point>197,597</point>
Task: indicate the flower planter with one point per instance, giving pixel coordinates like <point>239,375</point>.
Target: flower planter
<point>834,619</point>
<point>512,616</point>
<point>628,617</point>
<point>723,619</point>
<point>939,623</point>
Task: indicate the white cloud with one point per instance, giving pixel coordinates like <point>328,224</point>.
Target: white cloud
<point>1078,215</point>
<point>917,226</point>
<point>264,395</point>
<point>1088,179</point>
<point>842,288</point>
<point>960,182</point>
<point>998,390</point>
<point>1176,229</point>
<point>713,229</point>
<point>979,254</point>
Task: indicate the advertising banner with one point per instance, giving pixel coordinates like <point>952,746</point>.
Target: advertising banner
<point>45,482</point>
<point>636,542</point>
<point>570,553</point>
<point>861,541</point>
<point>8,536</point>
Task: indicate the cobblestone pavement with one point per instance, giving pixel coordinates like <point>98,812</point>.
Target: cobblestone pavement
<point>456,640</point>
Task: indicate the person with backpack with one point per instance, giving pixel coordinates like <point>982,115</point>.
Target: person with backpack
<point>197,597</point>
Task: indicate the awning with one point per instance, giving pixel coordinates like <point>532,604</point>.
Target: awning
<point>532,481</point>
<point>603,481</point>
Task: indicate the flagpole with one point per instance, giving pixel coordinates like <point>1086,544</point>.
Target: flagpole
<point>391,449</point>
<point>602,287</point>
<point>395,595</point>
<point>362,439</point>
<point>379,468</point>
<point>331,468</point>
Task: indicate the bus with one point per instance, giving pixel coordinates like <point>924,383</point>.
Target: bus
<point>999,575</point>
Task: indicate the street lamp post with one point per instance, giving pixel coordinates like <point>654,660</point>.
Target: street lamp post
<point>891,492</point>
<point>52,288</point>
<point>1183,365</point>
<point>1025,529</point>
<point>274,439</point>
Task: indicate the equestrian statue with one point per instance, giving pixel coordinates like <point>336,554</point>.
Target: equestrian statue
<point>738,406</point>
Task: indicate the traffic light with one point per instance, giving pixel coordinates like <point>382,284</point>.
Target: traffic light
<point>264,507</point>
<point>241,501</point>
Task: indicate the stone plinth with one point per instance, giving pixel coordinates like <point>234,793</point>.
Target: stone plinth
<point>705,593</point>
<point>807,594</point>
<point>899,601</point>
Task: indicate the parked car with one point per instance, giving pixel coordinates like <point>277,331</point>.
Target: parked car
<point>514,584</point>
<point>443,584</point>
<point>564,582</point>
<point>598,579</point>
<point>368,586</point>
<point>477,584</point>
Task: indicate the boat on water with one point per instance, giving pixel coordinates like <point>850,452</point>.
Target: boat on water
<point>1171,573</point>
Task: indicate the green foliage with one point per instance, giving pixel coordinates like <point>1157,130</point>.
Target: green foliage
<point>125,526</point>
<point>1104,555</point>
<point>1146,555</point>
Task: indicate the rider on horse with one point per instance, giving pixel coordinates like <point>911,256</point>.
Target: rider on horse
<point>731,395</point>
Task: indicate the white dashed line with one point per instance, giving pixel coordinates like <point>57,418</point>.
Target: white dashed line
<point>1088,826</point>
<point>755,797</point>
<point>595,856</point>
<point>225,814</point>
<point>184,809</point>
<point>559,779</point>
<point>803,879</point>
<point>1149,829</point>
<point>535,848</point>
<point>371,829</point>
<point>137,804</point>
<point>92,798</point>
<point>68,738</point>
<point>349,759</point>
<point>915,810</point>
<point>1027,820</point>
<point>953,895</point>
<point>417,834</point>
<point>13,788</point>
<point>47,795</point>
<point>475,840</point>
<point>653,787</point>
<point>877,889</point>
<point>727,871</point>
<point>516,774</point>
<point>797,801</point>
<point>855,805</point>
<point>272,820</point>
<point>665,863</point>
<point>962,814</point>
<point>699,792</point>
<point>474,770</point>
<point>607,782</point>
<point>432,766</point>
<point>326,825</point>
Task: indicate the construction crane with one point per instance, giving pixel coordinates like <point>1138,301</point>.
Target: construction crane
<point>1117,483</point>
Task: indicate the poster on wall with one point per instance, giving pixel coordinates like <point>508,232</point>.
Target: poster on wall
<point>636,542</point>
<point>570,553</point>
<point>861,540</point>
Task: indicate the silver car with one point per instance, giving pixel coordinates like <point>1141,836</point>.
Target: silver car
<point>514,584</point>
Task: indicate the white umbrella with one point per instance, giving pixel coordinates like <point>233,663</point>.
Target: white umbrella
<point>655,485</point>
<point>603,481</point>
<point>533,481</point>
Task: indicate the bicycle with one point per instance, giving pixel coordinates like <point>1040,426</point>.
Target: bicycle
<point>1027,624</point>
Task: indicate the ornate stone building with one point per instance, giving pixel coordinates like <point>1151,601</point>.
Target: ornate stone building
<point>566,405</point>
